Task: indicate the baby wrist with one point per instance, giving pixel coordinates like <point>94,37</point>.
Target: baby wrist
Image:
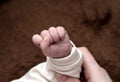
<point>69,65</point>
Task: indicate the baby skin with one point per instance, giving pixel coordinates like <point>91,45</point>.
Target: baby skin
<point>64,60</point>
<point>53,41</point>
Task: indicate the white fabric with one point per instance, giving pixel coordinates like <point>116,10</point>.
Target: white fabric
<point>45,72</point>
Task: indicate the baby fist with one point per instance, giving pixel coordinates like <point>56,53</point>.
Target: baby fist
<point>53,42</point>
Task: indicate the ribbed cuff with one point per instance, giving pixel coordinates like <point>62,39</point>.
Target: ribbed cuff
<point>70,59</point>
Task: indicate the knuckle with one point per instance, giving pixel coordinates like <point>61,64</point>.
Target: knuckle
<point>51,28</point>
<point>35,35</point>
<point>60,27</point>
<point>43,32</point>
<point>60,30</point>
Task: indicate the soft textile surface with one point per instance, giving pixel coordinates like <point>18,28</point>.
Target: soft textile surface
<point>91,23</point>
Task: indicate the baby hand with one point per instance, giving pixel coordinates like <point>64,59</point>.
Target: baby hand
<point>53,42</point>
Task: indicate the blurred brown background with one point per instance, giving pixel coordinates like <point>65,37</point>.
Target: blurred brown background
<point>91,23</point>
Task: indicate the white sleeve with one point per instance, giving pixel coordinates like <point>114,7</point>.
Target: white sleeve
<point>70,65</point>
<point>39,73</point>
<point>45,72</point>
